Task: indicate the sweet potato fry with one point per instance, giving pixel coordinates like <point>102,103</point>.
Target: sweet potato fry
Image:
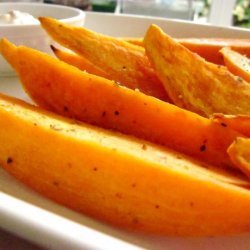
<point>82,63</point>
<point>193,83</point>
<point>236,63</point>
<point>240,123</point>
<point>118,179</point>
<point>79,62</point>
<point>239,153</point>
<point>209,48</point>
<point>124,62</point>
<point>66,90</point>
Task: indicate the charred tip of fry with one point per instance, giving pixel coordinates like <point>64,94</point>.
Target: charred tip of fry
<point>54,49</point>
<point>42,19</point>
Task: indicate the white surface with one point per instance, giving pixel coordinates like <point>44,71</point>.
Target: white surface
<point>32,34</point>
<point>136,26</point>
<point>33,217</point>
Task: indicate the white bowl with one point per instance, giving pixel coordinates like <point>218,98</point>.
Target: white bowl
<point>33,35</point>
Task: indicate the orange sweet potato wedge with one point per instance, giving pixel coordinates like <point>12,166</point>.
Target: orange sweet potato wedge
<point>236,63</point>
<point>209,48</point>
<point>71,92</point>
<point>191,82</point>
<point>125,63</point>
<point>82,63</point>
<point>239,153</point>
<point>79,62</point>
<point>240,123</point>
<point>130,183</point>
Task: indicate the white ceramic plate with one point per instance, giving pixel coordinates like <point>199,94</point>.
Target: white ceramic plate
<point>27,214</point>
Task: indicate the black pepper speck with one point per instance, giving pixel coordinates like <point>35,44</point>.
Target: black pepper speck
<point>203,148</point>
<point>9,160</point>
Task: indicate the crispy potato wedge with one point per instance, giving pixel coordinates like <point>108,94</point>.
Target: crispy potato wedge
<point>236,63</point>
<point>208,48</point>
<point>79,62</point>
<point>193,83</point>
<point>239,152</point>
<point>118,179</point>
<point>240,123</point>
<point>71,92</point>
<point>124,62</point>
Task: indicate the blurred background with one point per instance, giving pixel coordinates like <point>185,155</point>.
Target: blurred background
<point>217,12</point>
